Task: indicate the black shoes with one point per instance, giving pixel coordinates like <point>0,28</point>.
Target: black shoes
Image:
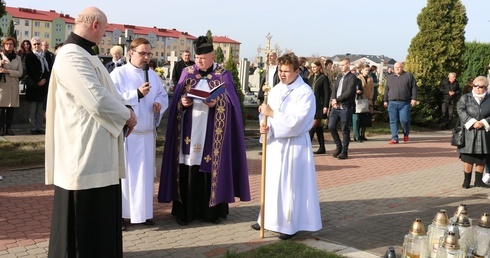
<point>336,152</point>
<point>9,132</point>
<point>256,226</point>
<point>362,138</point>
<point>358,140</point>
<point>124,228</point>
<point>36,132</point>
<point>286,236</point>
<point>343,155</point>
<point>320,151</point>
<point>215,221</point>
<point>181,223</point>
<point>149,222</point>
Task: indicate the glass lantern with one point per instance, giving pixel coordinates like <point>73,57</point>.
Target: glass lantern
<point>415,242</point>
<point>436,231</point>
<point>482,236</point>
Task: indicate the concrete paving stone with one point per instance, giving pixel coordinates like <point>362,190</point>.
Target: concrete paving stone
<point>381,186</point>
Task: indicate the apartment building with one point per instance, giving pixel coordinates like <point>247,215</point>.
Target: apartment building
<point>227,45</point>
<point>55,28</point>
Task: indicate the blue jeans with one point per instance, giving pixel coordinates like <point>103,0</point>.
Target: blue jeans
<point>344,116</point>
<point>399,111</point>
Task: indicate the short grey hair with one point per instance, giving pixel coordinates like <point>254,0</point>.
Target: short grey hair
<point>36,39</point>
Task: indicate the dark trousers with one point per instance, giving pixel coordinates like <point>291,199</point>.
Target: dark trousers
<point>86,223</point>
<point>447,111</point>
<point>6,117</point>
<point>344,116</point>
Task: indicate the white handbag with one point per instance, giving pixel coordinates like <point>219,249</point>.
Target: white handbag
<point>362,105</point>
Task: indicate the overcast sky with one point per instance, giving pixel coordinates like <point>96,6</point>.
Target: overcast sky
<point>315,27</point>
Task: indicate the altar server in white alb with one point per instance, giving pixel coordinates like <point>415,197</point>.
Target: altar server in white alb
<point>149,101</point>
<point>291,195</point>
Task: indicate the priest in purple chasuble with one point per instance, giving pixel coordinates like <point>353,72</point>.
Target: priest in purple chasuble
<point>204,164</point>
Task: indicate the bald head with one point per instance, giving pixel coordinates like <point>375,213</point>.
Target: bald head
<point>91,24</point>
<point>398,68</point>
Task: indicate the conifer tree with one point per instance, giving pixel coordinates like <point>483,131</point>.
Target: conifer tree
<point>436,50</point>
<point>11,30</point>
<point>476,59</point>
<point>209,35</point>
<point>232,67</point>
<point>220,57</point>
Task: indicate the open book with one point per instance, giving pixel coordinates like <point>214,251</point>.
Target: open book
<point>207,96</point>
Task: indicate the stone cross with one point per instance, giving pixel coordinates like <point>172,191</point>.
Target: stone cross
<point>243,72</point>
<point>172,58</point>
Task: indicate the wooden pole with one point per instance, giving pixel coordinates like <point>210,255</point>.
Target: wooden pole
<point>266,90</point>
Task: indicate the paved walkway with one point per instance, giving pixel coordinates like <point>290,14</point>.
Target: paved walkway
<point>368,203</point>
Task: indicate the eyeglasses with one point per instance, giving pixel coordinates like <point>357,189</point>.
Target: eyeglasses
<point>36,44</point>
<point>143,54</point>
<point>479,86</point>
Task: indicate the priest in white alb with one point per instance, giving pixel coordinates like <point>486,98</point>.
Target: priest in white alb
<point>149,101</point>
<point>291,195</point>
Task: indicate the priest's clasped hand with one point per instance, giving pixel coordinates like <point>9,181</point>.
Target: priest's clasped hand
<point>131,122</point>
<point>211,103</point>
<point>145,88</point>
<point>266,110</point>
<point>186,102</point>
<point>157,107</point>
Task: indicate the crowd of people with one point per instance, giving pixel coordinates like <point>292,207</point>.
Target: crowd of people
<point>101,125</point>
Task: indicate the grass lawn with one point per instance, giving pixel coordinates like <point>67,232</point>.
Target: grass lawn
<point>283,249</point>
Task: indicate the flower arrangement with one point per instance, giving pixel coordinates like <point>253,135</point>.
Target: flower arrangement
<point>160,72</point>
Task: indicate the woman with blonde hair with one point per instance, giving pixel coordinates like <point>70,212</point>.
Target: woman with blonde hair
<point>367,93</point>
<point>117,58</point>
<point>10,72</point>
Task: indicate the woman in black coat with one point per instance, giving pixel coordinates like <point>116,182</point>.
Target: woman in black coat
<point>474,112</point>
<point>320,84</point>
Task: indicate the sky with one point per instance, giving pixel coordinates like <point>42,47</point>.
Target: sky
<point>308,28</point>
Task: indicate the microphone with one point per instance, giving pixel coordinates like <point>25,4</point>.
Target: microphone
<point>145,68</point>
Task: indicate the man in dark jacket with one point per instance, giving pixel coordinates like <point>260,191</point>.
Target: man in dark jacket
<point>180,65</point>
<point>343,98</point>
<point>450,91</point>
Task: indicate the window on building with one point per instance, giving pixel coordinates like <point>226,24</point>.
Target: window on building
<point>37,24</point>
<point>46,35</point>
<point>26,23</point>
<point>26,33</point>
<point>70,27</point>
<point>58,30</point>
<point>47,25</point>
<point>36,34</point>
<point>16,22</point>
<point>224,44</point>
<point>156,53</point>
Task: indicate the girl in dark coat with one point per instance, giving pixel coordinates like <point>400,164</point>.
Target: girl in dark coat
<point>474,112</point>
<point>321,88</point>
